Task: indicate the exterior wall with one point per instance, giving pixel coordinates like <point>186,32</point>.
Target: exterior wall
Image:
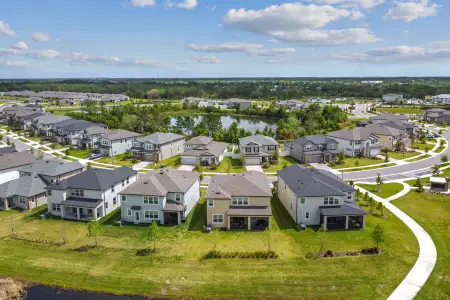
<point>220,208</point>
<point>288,198</point>
<point>189,160</point>
<point>349,150</point>
<point>108,195</point>
<point>120,148</point>
<point>56,197</point>
<point>138,200</point>
<point>191,197</point>
<point>386,141</point>
<point>31,202</point>
<point>297,152</point>
<point>172,149</point>
<point>312,205</point>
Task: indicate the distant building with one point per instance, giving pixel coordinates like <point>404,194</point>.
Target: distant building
<point>443,98</point>
<point>371,82</point>
<point>392,98</point>
<point>318,100</point>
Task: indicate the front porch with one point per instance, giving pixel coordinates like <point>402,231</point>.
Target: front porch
<point>248,218</point>
<point>6,203</point>
<point>172,213</point>
<point>343,217</point>
<point>82,209</point>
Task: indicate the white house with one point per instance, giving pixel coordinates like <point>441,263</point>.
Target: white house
<point>10,164</point>
<point>442,98</point>
<point>115,142</point>
<point>356,142</point>
<point>392,98</point>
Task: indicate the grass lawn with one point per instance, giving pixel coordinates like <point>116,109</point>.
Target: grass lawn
<point>400,110</point>
<point>80,153</point>
<point>363,161</point>
<point>419,158</point>
<point>386,189</point>
<point>56,146</point>
<point>176,270</point>
<point>227,165</point>
<point>93,164</point>
<point>440,149</point>
<point>369,168</point>
<point>422,146</point>
<point>283,161</point>
<point>34,138</point>
<point>118,160</point>
<point>432,212</point>
<point>171,162</point>
<point>425,181</point>
<point>404,155</point>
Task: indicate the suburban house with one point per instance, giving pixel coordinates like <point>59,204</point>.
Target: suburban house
<point>257,148</point>
<point>90,194</point>
<point>115,142</point>
<point>10,163</point>
<point>437,115</point>
<point>356,142</point>
<point>42,125</point>
<point>442,98</point>
<point>69,131</point>
<point>203,150</point>
<point>388,117</point>
<point>239,201</point>
<point>409,128</point>
<point>388,137</point>
<point>26,121</point>
<point>293,104</point>
<point>158,146</point>
<point>314,197</point>
<point>89,137</point>
<point>392,98</point>
<point>26,193</point>
<point>166,196</point>
<point>236,102</point>
<point>52,170</point>
<point>314,149</point>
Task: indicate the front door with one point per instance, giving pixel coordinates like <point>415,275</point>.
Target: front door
<point>137,216</point>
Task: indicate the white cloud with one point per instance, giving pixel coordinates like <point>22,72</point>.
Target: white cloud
<point>411,10</point>
<point>142,3</point>
<point>207,59</point>
<point>186,4</point>
<point>351,3</point>
<point>41,37</point>
<point>272,52</point>
<point>5,29</point>
<point>274,61</point>
<point>16,65</point>
<point>20,46</point>
<point>273,41</point>
<point>327,37</point>
<point>357,15</point>
<point>225,47</point>
<point>41,54</point>
<point>440,43</point>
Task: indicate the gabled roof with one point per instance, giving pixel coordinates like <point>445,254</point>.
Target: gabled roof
<point>79,125</point>
<point>379,129</point>
<point>350,134</point>
<point>315,139</point>
<point>309,182</point>
<point>51,167</point>
<point>160,138</point>
<point>401,125</point>
<point>16,159</point>
<point>50,119</point>
<point>390,117</point>
<point>95,179</point>
<point>199,140</point>
<point>251,184</point>
<point>118,134</point>
<point>212,149</point>
<point>258,139</point>
<point>33,115</point>
<point>96,129</point>
<point>25,186</point>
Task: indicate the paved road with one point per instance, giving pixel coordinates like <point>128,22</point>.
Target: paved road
<point>414,169</point>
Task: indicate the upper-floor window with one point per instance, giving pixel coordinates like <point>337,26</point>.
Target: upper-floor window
<point>302,200</point>
<point>49,192</point>
<point>148,146</point>
<point>112,189</point>
<point>308,147</point>
<point>319,147</point>
<point>248,150</point>
<point>123,198</point>
<point>151,200</point>
<point>332,146</point>
<point>357,142</point>
<point>128,180</point>
<point>351,143</point>
<point>136,144</point>
<point>123,183</point>
<point>210,203</point>
<point>271,147</point>
<point>240,201</point>
<point>256,149</point>
<point>178,197</point>
<point>77,193</point>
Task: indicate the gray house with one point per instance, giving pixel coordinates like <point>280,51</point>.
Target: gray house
<point>69,131</point>
<point>158,146</point>
<point>52,170</point>
<point>437,115</point>
<point>115,142</point>
<point>166,196</point>
<point>90,194</point>
<point>213,152</point>
<point>314,149</point>
<point>42,125</point>
<point>257,148</point>
<point>10,163</point>
<point>314,197</point>
<point>197,142</point>
<point>26,193</point>
<point>89,137</point>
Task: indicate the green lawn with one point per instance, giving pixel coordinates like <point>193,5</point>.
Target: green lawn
<point>386,189</point>
<point>118,160</point>
<point>422,146</point>
<point>80,153</point>
<point>176,269</point>
<point>363,161</point>
<point>439,149</point>
<point>425,181</point>
<point>34,138</point>
<point>404,155</point>
<point>400,110</point>
<point>419,158</point>
<point>369,168</point>
<point>227,165</point>
<point>432,212</point>
<point>283,161</point>
<point>56,146</point>
<point>171,162</point>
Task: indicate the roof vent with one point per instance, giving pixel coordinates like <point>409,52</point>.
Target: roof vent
<point>146,182</point>
<point>217,193</point>
<point>161,171</point>
<point>46,161</point>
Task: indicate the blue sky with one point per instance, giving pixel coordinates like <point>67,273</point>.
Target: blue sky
<point>223,38</point>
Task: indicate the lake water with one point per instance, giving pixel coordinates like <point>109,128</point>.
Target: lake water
<point>248,123</point>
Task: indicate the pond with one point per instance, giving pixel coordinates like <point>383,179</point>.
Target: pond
<point>248,123</point>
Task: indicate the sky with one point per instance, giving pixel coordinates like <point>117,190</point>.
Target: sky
<point>223,38</point>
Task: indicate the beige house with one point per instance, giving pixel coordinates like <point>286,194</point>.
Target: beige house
<point>388,136</point>
<point>239,201</point>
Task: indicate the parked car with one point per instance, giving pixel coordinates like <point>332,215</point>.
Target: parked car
<point>429,136</point>
<point>435,135</point>
<point>94,156</point>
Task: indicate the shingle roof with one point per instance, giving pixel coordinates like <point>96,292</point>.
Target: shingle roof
<point>316,139</point>
<point>78,125</point>
<point>398,124</point>
<point>16,159</point>
<point>82,202</point>
<point>258,139</point>
<point>160,138</point>
<point>347,209</point>
<point>390,117</point>
<point>25,186</point>
<point>33,115</point>
<point>350,134</point>
<point>96,130</point>
<point>119,134</point>
<point>214,149</point>
<point>307,182</point>
<point>7,150</point>
<point>199,140</point>
<point>379,129</point>
<point>251,183</point>
<point>50,119</point>
<point>95,179</point>
<point>161,182</point>
<point>52,167</point>
<point>259,211</point>
<point>173,206</point>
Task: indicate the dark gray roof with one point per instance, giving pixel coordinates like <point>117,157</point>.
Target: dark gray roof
<point>96,129</point>
<point>250,183</point>
<point>160,182</point>
<point>33,115</point>
<point>95,179</point>
<point>16,159</point>
<point>52,167</point>
<point>258,139</point>
<point>160,138</point>
<point>7,150</point>
<point>391,117</point>
<point>316,139</point>
<point>118,134</point>
<point>350,134</point>
<point>25,186</point>
<point>173,206</point>
<point>347,209</point>
<point>380,129</point>
<point>214,149</point>
<point>50,119</point>
<point>310,182</point>
<point>398,124</point>
<point>74,125</point>
<point>259,211</point>
<point>82,202</point>
<point>199,140</point>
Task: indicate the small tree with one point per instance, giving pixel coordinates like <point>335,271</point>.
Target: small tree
<point>381,208</point>
<point>372,204</point>
<point>341,157</point>
<point>8,142</point>
<point>366,198</point>
<point>357,164</point>
<point>322,237</point>
<point>435,170</point>
<point>419,185</point>
<point>440,131</point>
<point>67,152</point>
<point>276,155</point>
<point>89,165</point>
<point>268,235</point>
<point>351,183</point>
<point>95,230</point>
<point>379,182</point>
<point>13,144</point>
<point>444,124</point>
<point>53,146</point>
<point>444,158</point>
<point>357,195</point>
<point>378,236</point>
<point>32,150</point>
<point>386,157</point>
<point>41,155</point>
<point>426,149</point>
<point>152,234</point>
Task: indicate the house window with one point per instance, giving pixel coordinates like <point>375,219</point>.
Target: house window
<point>178,197</point>
<point>136,145</point>
<point>77,193</point>
<point>56,207</point>
<point>128,180</point>
<point>123,183</point>
<point>248,150</point>
<point>124,198</point>
<point>210,203</point>
<point>114,201</point>
<point>106,204</point>
<point>23,200</point>
<point>336,201</point>
<point>240,201</point>
<point>307,215</point>
<point>151,200</point>
<point>217,219</point>
<point>357,142</point>
<point>325,200</point>
<point>152,214</point>
<point>302,200</point>
<point>129,212</point>
<point>49,192</point>
<point>112,189</point>
<point>351,143</point>
<point>308,147</point>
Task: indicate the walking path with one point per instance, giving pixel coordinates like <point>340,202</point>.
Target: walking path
<point>426,261</point>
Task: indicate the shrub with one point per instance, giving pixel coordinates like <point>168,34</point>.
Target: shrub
<point>213,166</point>
<point>241,254</point>
<point>266,165</point>
<point>236,151</point>
<point>144,252</point>
<point>311,255</point>
<point>329,253</point>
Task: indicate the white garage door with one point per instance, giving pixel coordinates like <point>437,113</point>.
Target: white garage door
<point>252,161</point>
<point>188,160</point>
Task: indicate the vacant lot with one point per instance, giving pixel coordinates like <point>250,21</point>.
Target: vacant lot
<point>386,189</point>
<point>400,110</point>
<point>176,269</point>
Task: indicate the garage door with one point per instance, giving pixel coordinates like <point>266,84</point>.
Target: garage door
<point>189,160</point>
<point>249,161</point>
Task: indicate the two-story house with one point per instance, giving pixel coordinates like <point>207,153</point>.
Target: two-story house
<point>356,142</point>
<point>166,196</point>
<point>52,170</point>
<point>257,148</point>
<point>313,197</point>
<point>27,121</point>
<point>115,142</point>
<point>388,137</point>
<point>203,150</point>
<point>42,125</point>
<point>69,131</point>
<point>239,201</point>
<point>89,137</point>
<point>314,149</point>
<point>158,146</point>
<point>90,194</point>
<point>437,115</point>
<point>197,141</point>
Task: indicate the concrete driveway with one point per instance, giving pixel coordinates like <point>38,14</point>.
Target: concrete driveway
<point>254,168</point>
<point>186,168</point>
